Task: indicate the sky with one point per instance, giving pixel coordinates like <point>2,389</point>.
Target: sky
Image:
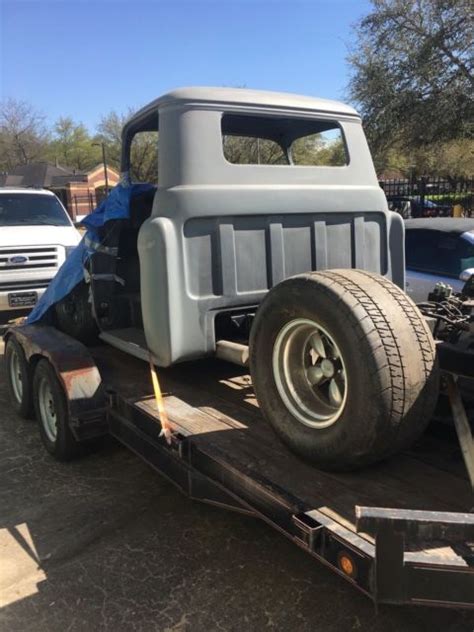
<point>84,58</point>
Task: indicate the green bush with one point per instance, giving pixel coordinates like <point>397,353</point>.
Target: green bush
<point>449,198</point>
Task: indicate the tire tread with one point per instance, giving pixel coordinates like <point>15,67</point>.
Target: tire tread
<point>400,352</point>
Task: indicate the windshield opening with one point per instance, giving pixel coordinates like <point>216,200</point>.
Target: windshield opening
<point>19,209</point>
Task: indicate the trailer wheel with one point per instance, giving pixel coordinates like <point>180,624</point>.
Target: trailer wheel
<point>343,366</point>
<point>74,315</point>
<point>52,413</point>
<point>18,379</point>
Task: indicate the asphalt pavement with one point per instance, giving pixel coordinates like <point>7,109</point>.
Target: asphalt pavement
<point>106,544</point>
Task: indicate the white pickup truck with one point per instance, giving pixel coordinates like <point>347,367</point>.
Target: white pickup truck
<point>36,236</point>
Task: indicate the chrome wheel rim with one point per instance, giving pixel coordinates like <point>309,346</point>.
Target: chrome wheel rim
<point>310,373</point>
<point>16,377</point>
<point>47,410</point>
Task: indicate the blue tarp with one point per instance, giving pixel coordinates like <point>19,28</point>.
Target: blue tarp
<point>115,206</point>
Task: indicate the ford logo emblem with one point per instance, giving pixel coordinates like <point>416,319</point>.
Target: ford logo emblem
<point>17,259</point>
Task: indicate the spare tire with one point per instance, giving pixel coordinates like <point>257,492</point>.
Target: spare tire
<point>74,315</point>
<point>344,367</point>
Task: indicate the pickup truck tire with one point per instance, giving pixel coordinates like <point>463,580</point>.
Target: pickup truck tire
<point>344,367</point>
<point>18,376</point>
<point>52,414</point>
<point>74,315</point>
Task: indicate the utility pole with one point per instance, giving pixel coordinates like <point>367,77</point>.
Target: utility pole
<point>104,160</point>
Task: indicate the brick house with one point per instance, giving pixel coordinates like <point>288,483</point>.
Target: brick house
<point>79,191</point>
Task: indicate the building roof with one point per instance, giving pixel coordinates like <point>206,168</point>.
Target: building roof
<point>42,174</point>
<point>12,180</point>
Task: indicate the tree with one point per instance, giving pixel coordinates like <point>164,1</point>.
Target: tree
<point>110,132</point>
<point>23,136</point>
<point>319,150</point>
<point>413,73</point>
<point>250,150</point>
<point>144,150</point>
<point>452,158</point>
<point>72,145</point>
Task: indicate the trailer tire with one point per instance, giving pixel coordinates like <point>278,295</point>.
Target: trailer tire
<point>74,315</point>
<point>52,414</point>
<point>344,367</point>
<point>18,376</point>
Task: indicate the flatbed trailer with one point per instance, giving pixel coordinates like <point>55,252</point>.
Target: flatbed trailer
<point>402,531</point>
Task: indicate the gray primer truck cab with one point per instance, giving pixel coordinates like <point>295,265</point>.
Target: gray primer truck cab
<point>221,235</point>
<point>268,232</point>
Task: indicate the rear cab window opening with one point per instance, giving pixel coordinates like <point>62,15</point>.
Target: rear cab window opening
<point>287,141</point>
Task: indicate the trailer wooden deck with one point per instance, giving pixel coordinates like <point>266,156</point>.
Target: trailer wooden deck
<point>213,404</point>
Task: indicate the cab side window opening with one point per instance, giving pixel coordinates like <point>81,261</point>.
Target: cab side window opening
<point>144,156</point>
<point>139,164</point>
<point>258,140</point>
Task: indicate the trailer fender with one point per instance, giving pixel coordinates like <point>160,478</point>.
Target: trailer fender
<point>76,371</point>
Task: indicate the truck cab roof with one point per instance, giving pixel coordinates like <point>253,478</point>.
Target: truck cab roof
<point>244,96</point>
<point>236,98</point>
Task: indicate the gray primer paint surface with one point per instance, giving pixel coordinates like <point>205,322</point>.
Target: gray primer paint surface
<point>220,235</point>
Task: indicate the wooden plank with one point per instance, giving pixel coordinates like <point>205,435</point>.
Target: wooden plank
<point>186,419</point>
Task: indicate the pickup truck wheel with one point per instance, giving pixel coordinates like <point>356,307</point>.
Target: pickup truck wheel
<point>344,367</point>
<point>309,373</point>
<point>18,379</point>
<point>74,315</point>
<point>52,414</point>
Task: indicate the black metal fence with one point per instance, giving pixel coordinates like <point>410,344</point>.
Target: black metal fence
<point>435,197</point>
<point>82,205</point>
<point>85,204</point>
